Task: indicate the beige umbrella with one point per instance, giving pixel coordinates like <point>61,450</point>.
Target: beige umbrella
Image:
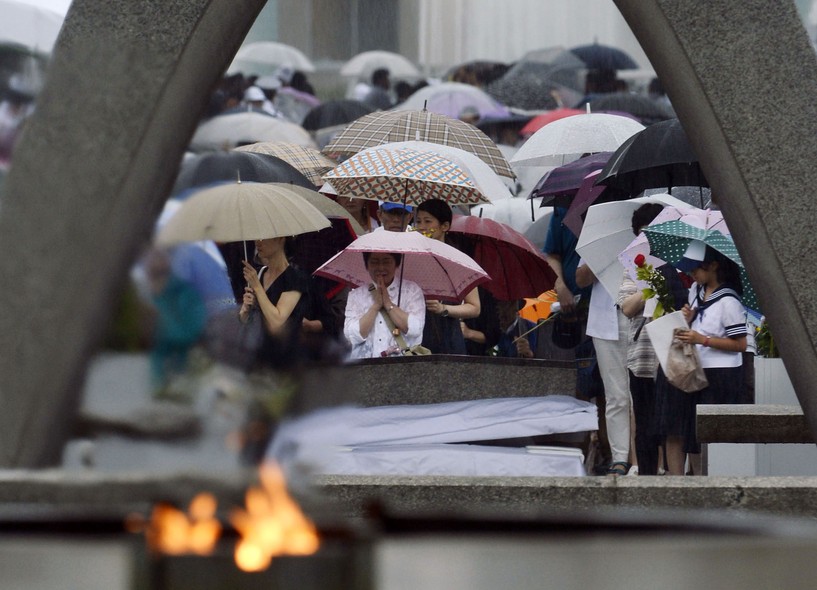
<point>242,211</point>
<point>225,132</point>
<point>328,206</point>
<point>308,161</point>
<point>266,57</point>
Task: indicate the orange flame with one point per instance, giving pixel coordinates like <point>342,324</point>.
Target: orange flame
<point>171,531</point>
<point>272,524</point>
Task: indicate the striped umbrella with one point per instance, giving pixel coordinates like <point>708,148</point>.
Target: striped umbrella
<point>403,176</point>
<point>389,126</point>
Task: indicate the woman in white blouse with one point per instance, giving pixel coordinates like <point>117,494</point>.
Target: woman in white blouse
<point>365,326</point>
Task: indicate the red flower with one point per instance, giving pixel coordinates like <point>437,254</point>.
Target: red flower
<point>640,260</point>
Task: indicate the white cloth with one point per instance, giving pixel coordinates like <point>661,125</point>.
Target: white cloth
<point>723,319</point>
<point>380,337</point>
<point>602,315</point>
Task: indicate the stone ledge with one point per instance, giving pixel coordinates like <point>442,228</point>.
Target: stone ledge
<point>752,423</point>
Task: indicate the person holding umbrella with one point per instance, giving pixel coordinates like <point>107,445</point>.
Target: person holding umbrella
<point>373,319</point>
<point>280,292</point>
<point>442,333</point>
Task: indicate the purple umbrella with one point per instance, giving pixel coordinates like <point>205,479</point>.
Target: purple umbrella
<point>565,180</point>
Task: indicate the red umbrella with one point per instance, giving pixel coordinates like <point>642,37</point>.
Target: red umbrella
<point>540,121</point>
<point>517,269</point>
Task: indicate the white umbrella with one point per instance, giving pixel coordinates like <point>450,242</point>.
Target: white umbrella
<point>225,132</point>
<point>482,175</point>
<point>242,211</point>
<point>364,64</point>
<point>450,98</point>
<point>519,213</point>
<point>607,231</point>
<point>565,140</point>
<point>31,24</point>
<point>441,271</point>
<point>265,57</point>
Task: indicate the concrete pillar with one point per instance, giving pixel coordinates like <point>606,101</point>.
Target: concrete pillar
<point>742,76</point>
<point>126,85</point>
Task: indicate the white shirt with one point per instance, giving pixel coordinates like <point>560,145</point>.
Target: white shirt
<point>380,337</point>
<point>723,319</point>
<point>602,315</point>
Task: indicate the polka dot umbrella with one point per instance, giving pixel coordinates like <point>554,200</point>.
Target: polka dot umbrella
<point>669,240</point>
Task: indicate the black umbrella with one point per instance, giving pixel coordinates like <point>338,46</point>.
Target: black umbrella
<point>642,107</point>
<point>335,112</point>
<point>604,57</point>
<point>211,167</point>
<point>660,156</point>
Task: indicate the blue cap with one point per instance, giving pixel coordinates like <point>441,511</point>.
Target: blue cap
<point>693,258</point>
<point>388,206</point>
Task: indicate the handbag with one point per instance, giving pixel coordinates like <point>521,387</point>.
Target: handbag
<point>405,349</point>
<point>684,369</point>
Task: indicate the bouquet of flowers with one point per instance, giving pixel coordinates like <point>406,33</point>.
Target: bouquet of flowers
<point>765,341</point>
<point>657,287</point>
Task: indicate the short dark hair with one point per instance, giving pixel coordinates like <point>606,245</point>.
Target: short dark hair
<point>644,215</point>
<point>439,209</point>
<point>398,258</point>
<point>379,75</point>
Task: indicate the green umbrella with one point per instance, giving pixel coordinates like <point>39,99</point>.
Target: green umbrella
<point>669,241</point>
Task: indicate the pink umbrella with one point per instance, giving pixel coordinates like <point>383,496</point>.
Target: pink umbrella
<point>441,271</point>
<point>703,218</point>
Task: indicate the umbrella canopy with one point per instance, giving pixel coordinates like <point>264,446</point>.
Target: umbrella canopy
<point>604,57</point>
<point>203,169</point>
<point>588,194</point>
<point>225,132</point>
<point>607,231</point>
<point>542,79</point>
<point>517,269</point>
<point>31,26</point>
<point>364,64</point>
<point>308,161</point>
<point>709,219</point>
<point>486,180</point>
<point>335,112</point>
<point>451,98</point>
<point>403,176</point>
<point>539,121</point>
<point>567,139</point>
<point>670,239</point>
<point>265,57</point>
<point>390,126</point>
<point>660,156</point>
<point>643,108</point>
<point>565,180</point>
<point>441,271</point>
<point>538,308</point>
<point>242,211</point>
<point>294,104</point>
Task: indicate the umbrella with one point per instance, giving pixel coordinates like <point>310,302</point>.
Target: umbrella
<point>543,119</point>
<point>520,214</point>
<point>658,157</point>
<point>451,98</point>
<point>441,271</point>
<point>242,211</point>
<point>202,169</point>
<point>485,179</point>
<point>645,109</point>
<point>517,269</point>
<point>30,25</point>
<point>403,176</point>
<point>335,112</point>
<point>265,57</point>
<point>537,231</point>
<point>538,308</point>
<point>604,57</point>
<point>364,64</point>
<point>225,132</point>
<point>308,161</point>
<point>390,126</point>
<point>566,180</point>
<point>587,195</point>
<point>710,219</point>
<point>294,104</point>
<point>541,79</point>
<point>606,232</point>
<point>567,139</point>
<point>669,241</point>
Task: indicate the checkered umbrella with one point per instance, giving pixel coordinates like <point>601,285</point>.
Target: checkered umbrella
<point>309,161</point>
<point>390,126</point>
<point>404,176</point>
<point>669,241</point>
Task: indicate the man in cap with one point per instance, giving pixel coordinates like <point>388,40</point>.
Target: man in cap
<point>394,216</point>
